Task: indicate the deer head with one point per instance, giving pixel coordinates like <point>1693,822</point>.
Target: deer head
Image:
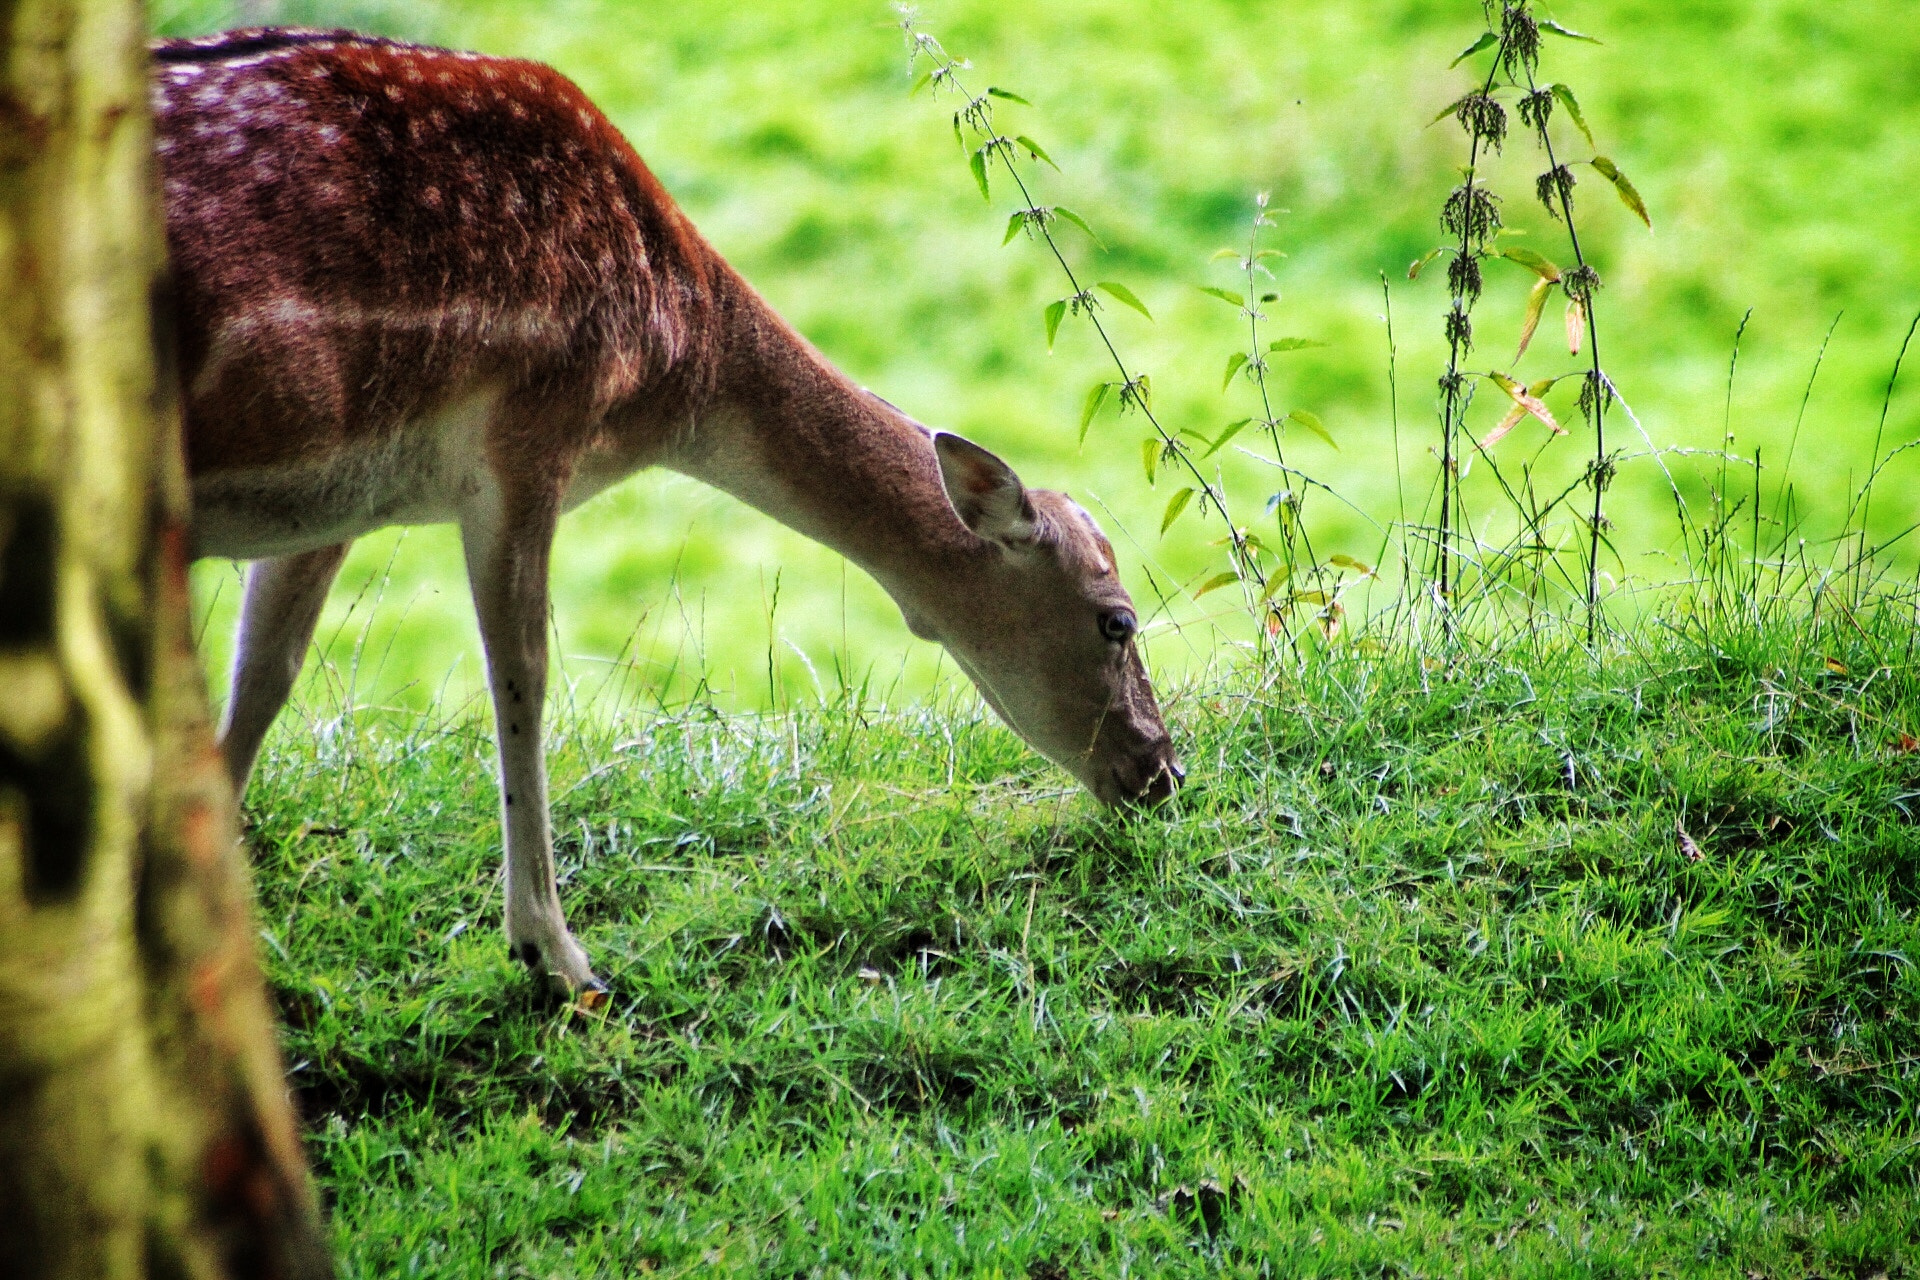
<point>1048,634</point>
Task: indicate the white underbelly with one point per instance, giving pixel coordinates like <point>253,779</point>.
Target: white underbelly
<point>425,473</point>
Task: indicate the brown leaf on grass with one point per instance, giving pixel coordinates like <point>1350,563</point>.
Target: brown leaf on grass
<point>1907,745</point>
<point>1687,845</point>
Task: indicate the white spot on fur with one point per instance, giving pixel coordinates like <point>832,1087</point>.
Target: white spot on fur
<point>393,92</point>
<point>328,134</point>
<point>516,110</point>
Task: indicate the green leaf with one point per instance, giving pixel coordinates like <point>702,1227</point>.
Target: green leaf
<point>1313,424</point>
<point>1448,110</point>
<point>926,78</point>
<point>1275,580</point>
<point>1014,224</point>
<point>1360,567</point>
<point>1420,263</point>
<point>1217,581</point>
<point>1175,506</point>
<point>1234,362</point>
<point>1224,253</point>
<point>1536,303</point>
<point>1486,41</point>
<point>1036,150</point>
<point>1557,29</point>
<point>1532,262</point>
<point>1061,211</point>
<point>1628,196</point>
<point>1269,253</point>
<point>1124,295</point>
<point>1572,105</point>
<point>1055,310</point>
<point>1225,295</point>
<point>1008,94</point>
<point>1233,429</point>
<point>1295,344</point>
<point>1095,398</point>
<point>978,163</point>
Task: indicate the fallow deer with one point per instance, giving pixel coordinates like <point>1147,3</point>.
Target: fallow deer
<point>417,286</point>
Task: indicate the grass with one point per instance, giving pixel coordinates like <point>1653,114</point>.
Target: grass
<point>1771,139</point>
<point>1420,977</point>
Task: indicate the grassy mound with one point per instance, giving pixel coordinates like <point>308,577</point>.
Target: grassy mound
<point>1523,964</point>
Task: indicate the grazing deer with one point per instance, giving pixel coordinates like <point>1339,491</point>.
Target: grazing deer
<point>416,286</point>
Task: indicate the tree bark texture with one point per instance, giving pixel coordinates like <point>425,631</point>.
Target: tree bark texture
<point>145,1128</point>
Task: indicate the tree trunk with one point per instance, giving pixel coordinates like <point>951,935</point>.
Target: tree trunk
<point>145,1128</point>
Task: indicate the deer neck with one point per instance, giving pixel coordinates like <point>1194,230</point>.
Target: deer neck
<point>790,435</point>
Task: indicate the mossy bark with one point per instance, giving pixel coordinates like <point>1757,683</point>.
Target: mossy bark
<point>145,1128</point>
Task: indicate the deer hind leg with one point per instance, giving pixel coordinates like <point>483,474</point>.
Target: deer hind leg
<point>508,539</point>
<point>277,617</point>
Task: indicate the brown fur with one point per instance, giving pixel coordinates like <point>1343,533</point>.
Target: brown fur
<point>382,225</point>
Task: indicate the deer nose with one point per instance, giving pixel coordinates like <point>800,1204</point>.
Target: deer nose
<point>1151,777</point>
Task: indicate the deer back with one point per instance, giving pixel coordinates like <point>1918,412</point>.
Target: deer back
<point>363,230</point>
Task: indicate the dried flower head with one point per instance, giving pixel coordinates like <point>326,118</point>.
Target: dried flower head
<point>1536,108</point>
<point>1553,188</point>
<point>1519,40</point>
<point>1463,277</point>
<point>1596,393</point>
<point>1483,118</point>
<point>1472,213</point>
<point>1581,283</point>
<point>1459,328</point>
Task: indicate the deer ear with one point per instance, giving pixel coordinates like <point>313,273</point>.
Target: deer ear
<point>986,495</point>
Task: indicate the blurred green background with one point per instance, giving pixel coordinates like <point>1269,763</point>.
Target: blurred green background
<point>1777,144</point>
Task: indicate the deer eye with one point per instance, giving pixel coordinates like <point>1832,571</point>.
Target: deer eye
<point>1118,625</point>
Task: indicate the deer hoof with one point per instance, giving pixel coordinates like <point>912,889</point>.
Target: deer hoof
<point>578,986</point>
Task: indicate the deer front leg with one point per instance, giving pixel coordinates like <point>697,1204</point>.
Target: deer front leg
<point>277,617</point>
<point>508,539</point>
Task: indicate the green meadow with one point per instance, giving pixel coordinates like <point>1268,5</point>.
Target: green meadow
<point>1508,953</point>
<point>1773,140</point>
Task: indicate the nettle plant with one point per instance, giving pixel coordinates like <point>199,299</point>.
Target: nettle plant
<point>1278,575</point>
<point>1282,579</point>
<point>1471,218</point>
